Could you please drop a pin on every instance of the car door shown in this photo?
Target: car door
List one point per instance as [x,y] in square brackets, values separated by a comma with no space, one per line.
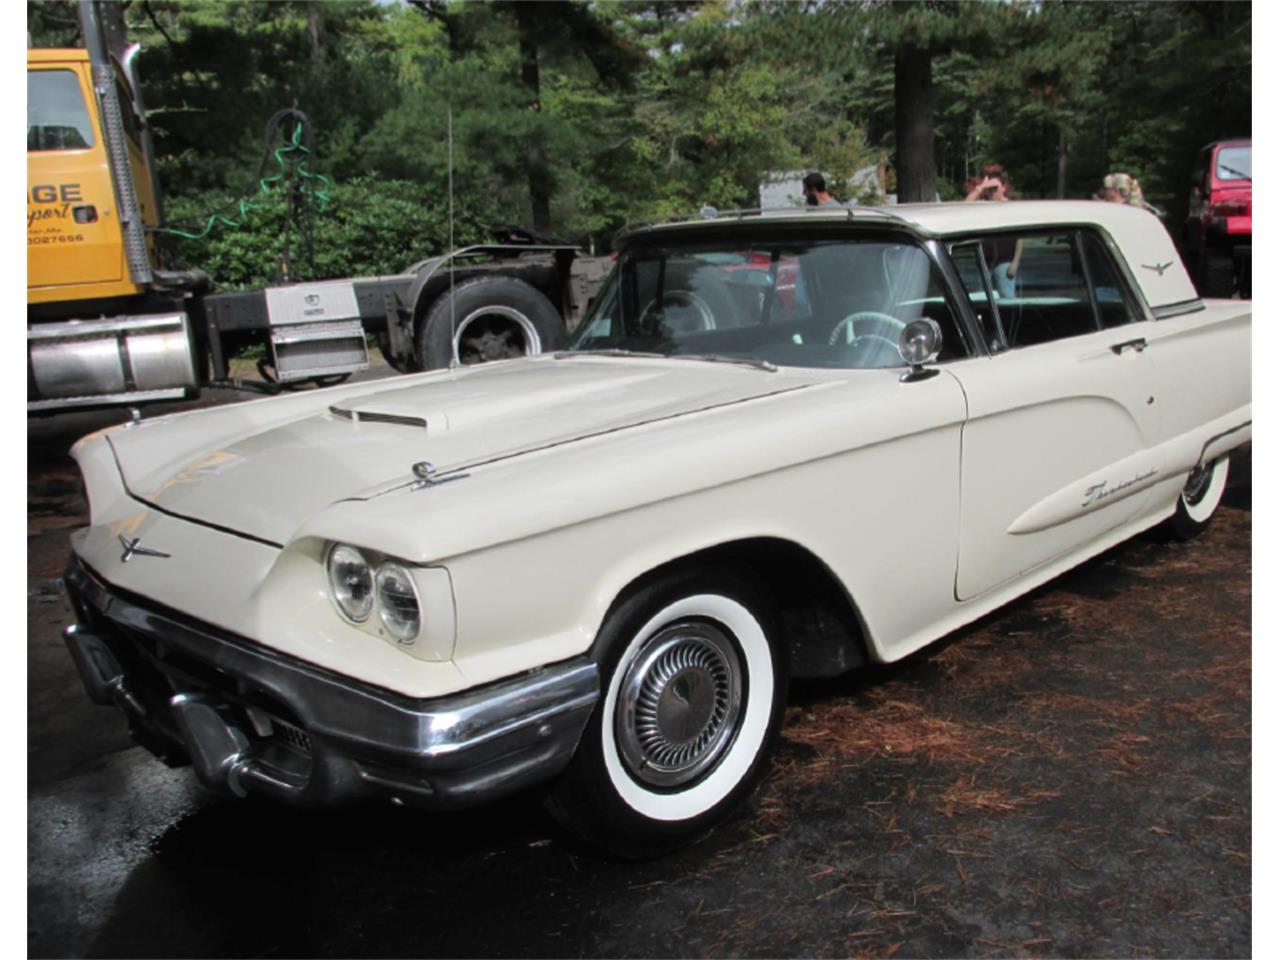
[1057,446]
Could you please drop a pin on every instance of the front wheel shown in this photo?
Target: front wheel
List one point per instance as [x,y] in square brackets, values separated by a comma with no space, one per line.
[1199,499]
[694,682]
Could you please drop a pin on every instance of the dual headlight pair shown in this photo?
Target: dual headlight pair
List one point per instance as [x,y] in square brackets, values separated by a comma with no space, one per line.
[355,584]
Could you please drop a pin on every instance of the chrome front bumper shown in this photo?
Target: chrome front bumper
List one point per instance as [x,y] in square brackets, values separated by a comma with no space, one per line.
[251,719]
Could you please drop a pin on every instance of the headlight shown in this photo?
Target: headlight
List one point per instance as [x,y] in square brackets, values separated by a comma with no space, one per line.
[351,581]
[398,602]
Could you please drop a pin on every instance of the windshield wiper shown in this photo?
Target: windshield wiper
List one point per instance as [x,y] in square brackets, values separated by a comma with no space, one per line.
[611,352]
[1238,173]
[721,358]
[708,357]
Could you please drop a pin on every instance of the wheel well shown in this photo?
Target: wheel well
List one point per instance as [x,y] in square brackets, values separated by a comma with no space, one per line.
[824,633]
[540,273]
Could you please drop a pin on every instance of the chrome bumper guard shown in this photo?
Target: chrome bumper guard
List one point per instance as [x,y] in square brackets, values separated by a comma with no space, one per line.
[251,719]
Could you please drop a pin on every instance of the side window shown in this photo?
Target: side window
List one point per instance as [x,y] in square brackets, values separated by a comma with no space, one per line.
[1114,307]
[603,319]
[972,268]
[56,115]
[1039,286]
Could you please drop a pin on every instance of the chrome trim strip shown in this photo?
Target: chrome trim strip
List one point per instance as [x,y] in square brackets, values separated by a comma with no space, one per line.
[1178,309]
[176,393]
[1214,439]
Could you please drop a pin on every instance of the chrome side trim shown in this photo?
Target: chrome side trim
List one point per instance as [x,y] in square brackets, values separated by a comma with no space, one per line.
[1178,309]
[1216,437]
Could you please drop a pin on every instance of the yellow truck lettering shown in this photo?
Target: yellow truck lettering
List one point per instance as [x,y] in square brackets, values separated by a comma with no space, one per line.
[49,193]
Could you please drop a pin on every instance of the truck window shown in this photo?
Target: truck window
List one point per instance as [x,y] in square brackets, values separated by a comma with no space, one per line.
[56,115]
[1235,163]
[128,115]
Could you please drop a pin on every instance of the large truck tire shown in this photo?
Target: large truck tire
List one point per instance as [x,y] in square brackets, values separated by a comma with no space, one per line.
[406,365]
[487,318]
[1216,274]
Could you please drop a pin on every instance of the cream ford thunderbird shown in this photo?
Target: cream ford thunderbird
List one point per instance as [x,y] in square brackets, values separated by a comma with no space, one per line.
[780,446]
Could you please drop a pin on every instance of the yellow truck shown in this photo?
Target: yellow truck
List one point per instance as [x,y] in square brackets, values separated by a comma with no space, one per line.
[109,323]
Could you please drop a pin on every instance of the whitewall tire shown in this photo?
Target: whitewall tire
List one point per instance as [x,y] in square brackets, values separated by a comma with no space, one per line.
[1199,499]
[693,682]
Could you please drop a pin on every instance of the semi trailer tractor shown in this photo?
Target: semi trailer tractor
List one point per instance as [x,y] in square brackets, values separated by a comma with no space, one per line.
[110,322]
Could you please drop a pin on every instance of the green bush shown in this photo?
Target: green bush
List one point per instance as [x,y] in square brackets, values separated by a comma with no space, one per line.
[368,228]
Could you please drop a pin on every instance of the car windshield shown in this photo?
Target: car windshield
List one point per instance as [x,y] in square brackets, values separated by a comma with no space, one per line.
[1235,163]
[839,303]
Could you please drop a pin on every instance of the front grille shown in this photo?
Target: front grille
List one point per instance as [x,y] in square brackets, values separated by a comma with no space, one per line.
[288,735]
[171,671]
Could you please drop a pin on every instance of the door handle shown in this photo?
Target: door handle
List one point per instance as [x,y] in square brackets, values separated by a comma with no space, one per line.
[1138,345]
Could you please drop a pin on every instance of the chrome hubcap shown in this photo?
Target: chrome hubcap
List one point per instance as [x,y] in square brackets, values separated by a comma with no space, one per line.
[679,704]
[1197,484]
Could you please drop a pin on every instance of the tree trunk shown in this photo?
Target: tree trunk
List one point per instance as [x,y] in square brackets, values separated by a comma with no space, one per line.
[535,154]
[913,124]
[313,30]
[1062,162]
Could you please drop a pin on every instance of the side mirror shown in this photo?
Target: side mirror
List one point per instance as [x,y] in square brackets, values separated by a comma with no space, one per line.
[919,343]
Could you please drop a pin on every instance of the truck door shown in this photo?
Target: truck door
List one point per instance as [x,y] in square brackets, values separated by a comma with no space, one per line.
[73,234]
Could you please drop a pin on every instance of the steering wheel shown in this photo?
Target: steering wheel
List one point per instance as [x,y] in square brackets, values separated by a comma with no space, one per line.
[867,325]
[679,311]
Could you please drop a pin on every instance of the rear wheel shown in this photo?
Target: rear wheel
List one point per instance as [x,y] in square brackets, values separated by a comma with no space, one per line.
[487,318]
[693,685]
[1199,499]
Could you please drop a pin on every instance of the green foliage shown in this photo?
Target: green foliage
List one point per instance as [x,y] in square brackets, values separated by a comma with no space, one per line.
[372,227]
[651,108]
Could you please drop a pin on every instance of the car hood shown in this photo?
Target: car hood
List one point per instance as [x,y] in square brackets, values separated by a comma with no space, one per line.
[263,473]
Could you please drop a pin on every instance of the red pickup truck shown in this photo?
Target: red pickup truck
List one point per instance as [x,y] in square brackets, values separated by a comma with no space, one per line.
[1218,238]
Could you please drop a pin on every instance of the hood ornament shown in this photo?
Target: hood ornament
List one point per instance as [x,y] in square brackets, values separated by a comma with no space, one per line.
[429,476]
[131,549]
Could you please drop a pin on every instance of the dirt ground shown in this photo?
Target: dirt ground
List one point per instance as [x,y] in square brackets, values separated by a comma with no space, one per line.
[1068,777]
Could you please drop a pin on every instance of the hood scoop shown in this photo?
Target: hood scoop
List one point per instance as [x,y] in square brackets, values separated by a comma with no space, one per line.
[372,416]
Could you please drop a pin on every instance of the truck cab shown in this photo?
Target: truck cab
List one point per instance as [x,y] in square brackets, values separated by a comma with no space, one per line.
[1219,231]
[75,245]
[98,329]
